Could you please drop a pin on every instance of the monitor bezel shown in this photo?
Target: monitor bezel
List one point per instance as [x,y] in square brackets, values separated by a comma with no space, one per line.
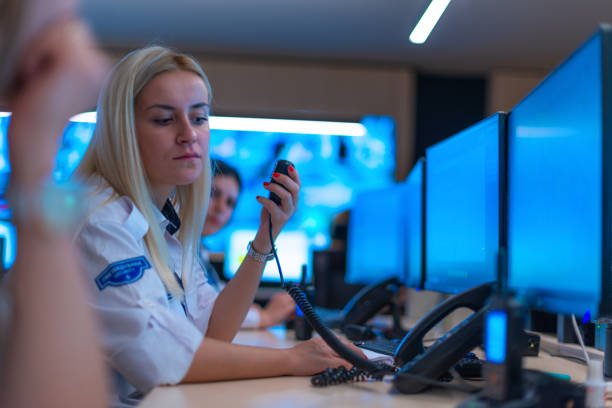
[605,305]
[502,140]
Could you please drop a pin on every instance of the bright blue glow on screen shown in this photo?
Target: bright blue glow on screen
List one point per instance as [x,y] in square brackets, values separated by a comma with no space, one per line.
[413,208]
[462,208]
[496,336]
[332,170]
[555,187]
[73,144]
[293,248]
[5,166]
[375,246]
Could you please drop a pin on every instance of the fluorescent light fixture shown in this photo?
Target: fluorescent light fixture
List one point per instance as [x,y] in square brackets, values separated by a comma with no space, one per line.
[287,126]
[428,21]
[267,125]
[85,117]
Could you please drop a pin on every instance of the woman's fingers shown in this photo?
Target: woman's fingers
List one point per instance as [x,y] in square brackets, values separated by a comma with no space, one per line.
[287,189]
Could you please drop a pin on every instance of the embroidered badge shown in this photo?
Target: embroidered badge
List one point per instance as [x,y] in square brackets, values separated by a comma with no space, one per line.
[123,272]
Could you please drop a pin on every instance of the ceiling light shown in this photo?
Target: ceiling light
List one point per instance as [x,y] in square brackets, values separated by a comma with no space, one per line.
[428,21]
[315,127]
[287,126]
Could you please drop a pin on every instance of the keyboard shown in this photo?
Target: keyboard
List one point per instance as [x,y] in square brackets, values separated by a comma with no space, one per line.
[382,346]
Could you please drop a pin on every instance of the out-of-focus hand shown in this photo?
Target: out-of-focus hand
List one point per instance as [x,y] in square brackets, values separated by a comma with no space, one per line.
[314,356]
[278,309]
[280,214]
[60,75]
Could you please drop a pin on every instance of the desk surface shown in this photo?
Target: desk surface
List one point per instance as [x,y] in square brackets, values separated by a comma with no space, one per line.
[296,392]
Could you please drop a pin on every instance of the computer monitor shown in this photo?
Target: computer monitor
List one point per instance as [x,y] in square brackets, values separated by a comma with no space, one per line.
[462,210]
[559,186]
[413,208]
[292,247]
[375,245]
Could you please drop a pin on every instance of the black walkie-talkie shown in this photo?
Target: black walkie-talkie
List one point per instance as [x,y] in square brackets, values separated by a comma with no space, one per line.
[282,167]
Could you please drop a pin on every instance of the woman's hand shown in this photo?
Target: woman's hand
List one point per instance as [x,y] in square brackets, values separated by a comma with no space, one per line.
[278,309]
[314,356]
[280,214]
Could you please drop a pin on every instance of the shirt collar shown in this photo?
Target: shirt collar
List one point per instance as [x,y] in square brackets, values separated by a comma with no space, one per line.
[173,222]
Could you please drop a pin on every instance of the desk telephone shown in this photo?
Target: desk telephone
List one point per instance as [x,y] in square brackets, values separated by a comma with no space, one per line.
[366,304]
[419,367]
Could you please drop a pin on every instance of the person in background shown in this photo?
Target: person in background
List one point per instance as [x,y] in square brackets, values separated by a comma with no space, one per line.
[50,70]
[226,188]
[149,177]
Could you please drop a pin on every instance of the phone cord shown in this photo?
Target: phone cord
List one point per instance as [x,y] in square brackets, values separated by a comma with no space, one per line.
[373,369]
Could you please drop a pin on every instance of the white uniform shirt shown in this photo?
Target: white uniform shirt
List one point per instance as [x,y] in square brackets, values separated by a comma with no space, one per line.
[148,338]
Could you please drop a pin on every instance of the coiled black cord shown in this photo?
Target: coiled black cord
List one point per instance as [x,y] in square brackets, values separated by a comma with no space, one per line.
[363,369]
[375,370]
[340,375]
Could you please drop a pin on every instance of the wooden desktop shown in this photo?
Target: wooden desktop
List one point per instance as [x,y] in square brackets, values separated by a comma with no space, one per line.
[296,392]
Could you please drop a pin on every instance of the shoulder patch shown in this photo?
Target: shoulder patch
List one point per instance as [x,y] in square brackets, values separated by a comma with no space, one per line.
[122,272]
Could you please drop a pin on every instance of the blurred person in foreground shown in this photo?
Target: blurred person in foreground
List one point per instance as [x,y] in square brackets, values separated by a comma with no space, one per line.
[49,71]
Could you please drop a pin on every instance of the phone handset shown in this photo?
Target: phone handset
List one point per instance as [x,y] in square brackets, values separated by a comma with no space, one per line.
[369,301]
[447,350]
[412,344]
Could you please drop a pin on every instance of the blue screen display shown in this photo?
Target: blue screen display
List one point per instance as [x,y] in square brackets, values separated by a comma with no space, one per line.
[5,166]
[292,248]
[332,169]
[555,187]
[413,208]
[375,247]
[462,208]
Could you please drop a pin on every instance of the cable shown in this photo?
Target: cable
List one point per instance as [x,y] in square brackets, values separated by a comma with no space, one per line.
[376,370]
[280,271]
[363,369]
[579,336]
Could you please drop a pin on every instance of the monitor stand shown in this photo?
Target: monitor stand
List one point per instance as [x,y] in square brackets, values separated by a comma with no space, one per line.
[566,334]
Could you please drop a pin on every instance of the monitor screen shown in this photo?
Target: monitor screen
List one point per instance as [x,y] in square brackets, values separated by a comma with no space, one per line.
[413,208]
[559,152]
[375,246]
[462,207]
[292,247]
[332,168]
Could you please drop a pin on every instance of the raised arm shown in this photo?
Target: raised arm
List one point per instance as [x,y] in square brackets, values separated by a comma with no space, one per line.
[234,301]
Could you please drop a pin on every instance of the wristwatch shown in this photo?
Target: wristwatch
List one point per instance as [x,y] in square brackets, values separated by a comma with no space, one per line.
[259,257]
[59,206]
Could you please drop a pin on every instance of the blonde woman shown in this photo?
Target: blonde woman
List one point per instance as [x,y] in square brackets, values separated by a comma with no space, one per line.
[149,172]
[49,70]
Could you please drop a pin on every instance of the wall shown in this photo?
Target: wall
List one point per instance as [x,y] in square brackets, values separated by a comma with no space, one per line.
[508,87]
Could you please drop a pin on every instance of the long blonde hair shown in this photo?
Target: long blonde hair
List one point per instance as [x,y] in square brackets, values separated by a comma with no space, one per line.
[114,154]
